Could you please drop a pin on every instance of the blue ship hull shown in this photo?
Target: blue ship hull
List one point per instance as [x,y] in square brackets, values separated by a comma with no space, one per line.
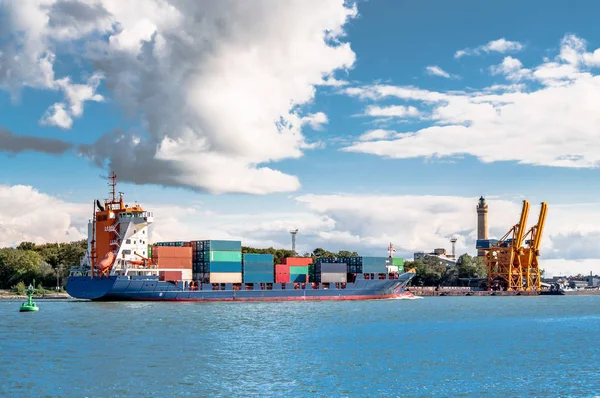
[149,288]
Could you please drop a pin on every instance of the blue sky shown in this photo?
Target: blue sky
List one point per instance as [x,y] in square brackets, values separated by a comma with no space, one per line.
[391,44]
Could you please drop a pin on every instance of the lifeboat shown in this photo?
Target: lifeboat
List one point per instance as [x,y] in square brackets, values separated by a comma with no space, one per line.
[106,262]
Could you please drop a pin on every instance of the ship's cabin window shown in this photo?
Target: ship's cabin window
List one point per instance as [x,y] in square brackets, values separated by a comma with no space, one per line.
[128,241]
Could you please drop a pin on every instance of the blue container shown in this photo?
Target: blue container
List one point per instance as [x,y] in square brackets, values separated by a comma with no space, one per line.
[258,278]
[374,260]
[374,269]
[223,245]
[225,266]
[258,258]
[297,277]
[258,267]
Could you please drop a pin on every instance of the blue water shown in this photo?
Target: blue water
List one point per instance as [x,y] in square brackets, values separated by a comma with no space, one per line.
[432,347]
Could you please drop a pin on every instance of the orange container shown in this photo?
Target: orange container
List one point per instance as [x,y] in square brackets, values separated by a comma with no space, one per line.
[169,275]
[172,257]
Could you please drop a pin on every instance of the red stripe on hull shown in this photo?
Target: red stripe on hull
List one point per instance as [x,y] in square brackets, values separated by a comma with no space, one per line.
[300,298]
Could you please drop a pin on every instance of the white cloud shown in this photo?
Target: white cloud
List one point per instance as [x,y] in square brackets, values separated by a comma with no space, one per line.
[512,68]
[501,45]
[437,71]
[554,124]
[392,111]
[58,116]
[40,218]
[215,110]
[315,120]
[378,134]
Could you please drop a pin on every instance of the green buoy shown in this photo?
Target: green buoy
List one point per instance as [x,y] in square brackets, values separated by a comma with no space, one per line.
[29,305]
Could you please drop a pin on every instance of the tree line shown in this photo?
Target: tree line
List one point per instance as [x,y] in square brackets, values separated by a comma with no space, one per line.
[433,272]
[45,263]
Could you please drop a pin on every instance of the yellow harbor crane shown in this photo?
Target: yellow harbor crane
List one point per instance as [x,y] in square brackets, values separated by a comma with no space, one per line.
[512,266]
[504,260]
[532,276]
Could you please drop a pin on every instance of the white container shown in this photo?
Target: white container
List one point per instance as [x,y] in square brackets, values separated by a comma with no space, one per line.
[330,277]
[225,277]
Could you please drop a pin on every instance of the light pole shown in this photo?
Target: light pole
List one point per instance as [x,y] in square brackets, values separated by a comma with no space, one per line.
[58,269]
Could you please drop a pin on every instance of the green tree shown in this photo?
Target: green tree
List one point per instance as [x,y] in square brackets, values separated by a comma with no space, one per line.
[26,246]
[18,265]
[469,267]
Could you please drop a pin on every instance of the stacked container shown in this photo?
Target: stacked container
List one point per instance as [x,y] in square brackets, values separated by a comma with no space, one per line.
[257,268]
[173,262]
[218,261]
[297,268]
[331,272]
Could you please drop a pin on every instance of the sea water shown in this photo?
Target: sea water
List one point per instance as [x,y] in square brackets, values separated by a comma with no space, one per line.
[432,347]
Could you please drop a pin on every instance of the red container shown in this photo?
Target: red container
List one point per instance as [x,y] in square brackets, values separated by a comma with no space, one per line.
[169,275]
[282,278]
[297,261]
[187,244]
[282,269]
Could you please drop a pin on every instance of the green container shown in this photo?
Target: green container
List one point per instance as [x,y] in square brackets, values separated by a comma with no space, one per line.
[225,256]
[397,261]
[400,269]
[298,270]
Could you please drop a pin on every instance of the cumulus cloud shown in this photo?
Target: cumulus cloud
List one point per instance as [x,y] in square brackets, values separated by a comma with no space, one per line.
[504,124]
[437,71]
[378,134]
[392,111]
[40,218]
[501,45]
[13,143]
[214,110]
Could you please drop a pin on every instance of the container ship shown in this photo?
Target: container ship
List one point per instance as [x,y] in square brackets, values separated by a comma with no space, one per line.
[120,264]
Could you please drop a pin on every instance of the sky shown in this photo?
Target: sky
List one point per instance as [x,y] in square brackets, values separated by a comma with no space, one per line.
[357,123]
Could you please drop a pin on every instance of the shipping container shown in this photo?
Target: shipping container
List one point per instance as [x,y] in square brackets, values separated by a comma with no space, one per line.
[224,266]
[355,269]
[298,270]
[392,269]
[334,277]
[258,267]
[225,277]
[225,256]
[257,258]
[374,260]
[282,269]
[397,261]
[223,245]
[487,243]
[331,267]
[374,269]
[172,257]
[297,277]
[169,275]
[258,278]
[297,261]
[400,268]
[170,244]
[282,278]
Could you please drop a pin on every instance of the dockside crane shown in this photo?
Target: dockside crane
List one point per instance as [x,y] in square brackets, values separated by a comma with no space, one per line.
[504,261]
[531,273]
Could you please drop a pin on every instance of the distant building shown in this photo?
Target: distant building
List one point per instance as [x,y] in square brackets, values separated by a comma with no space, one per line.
[439,254]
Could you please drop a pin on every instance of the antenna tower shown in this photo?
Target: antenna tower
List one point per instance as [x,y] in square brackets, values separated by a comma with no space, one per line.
[113,186]
[294,232]
[453,241]
[391,249]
